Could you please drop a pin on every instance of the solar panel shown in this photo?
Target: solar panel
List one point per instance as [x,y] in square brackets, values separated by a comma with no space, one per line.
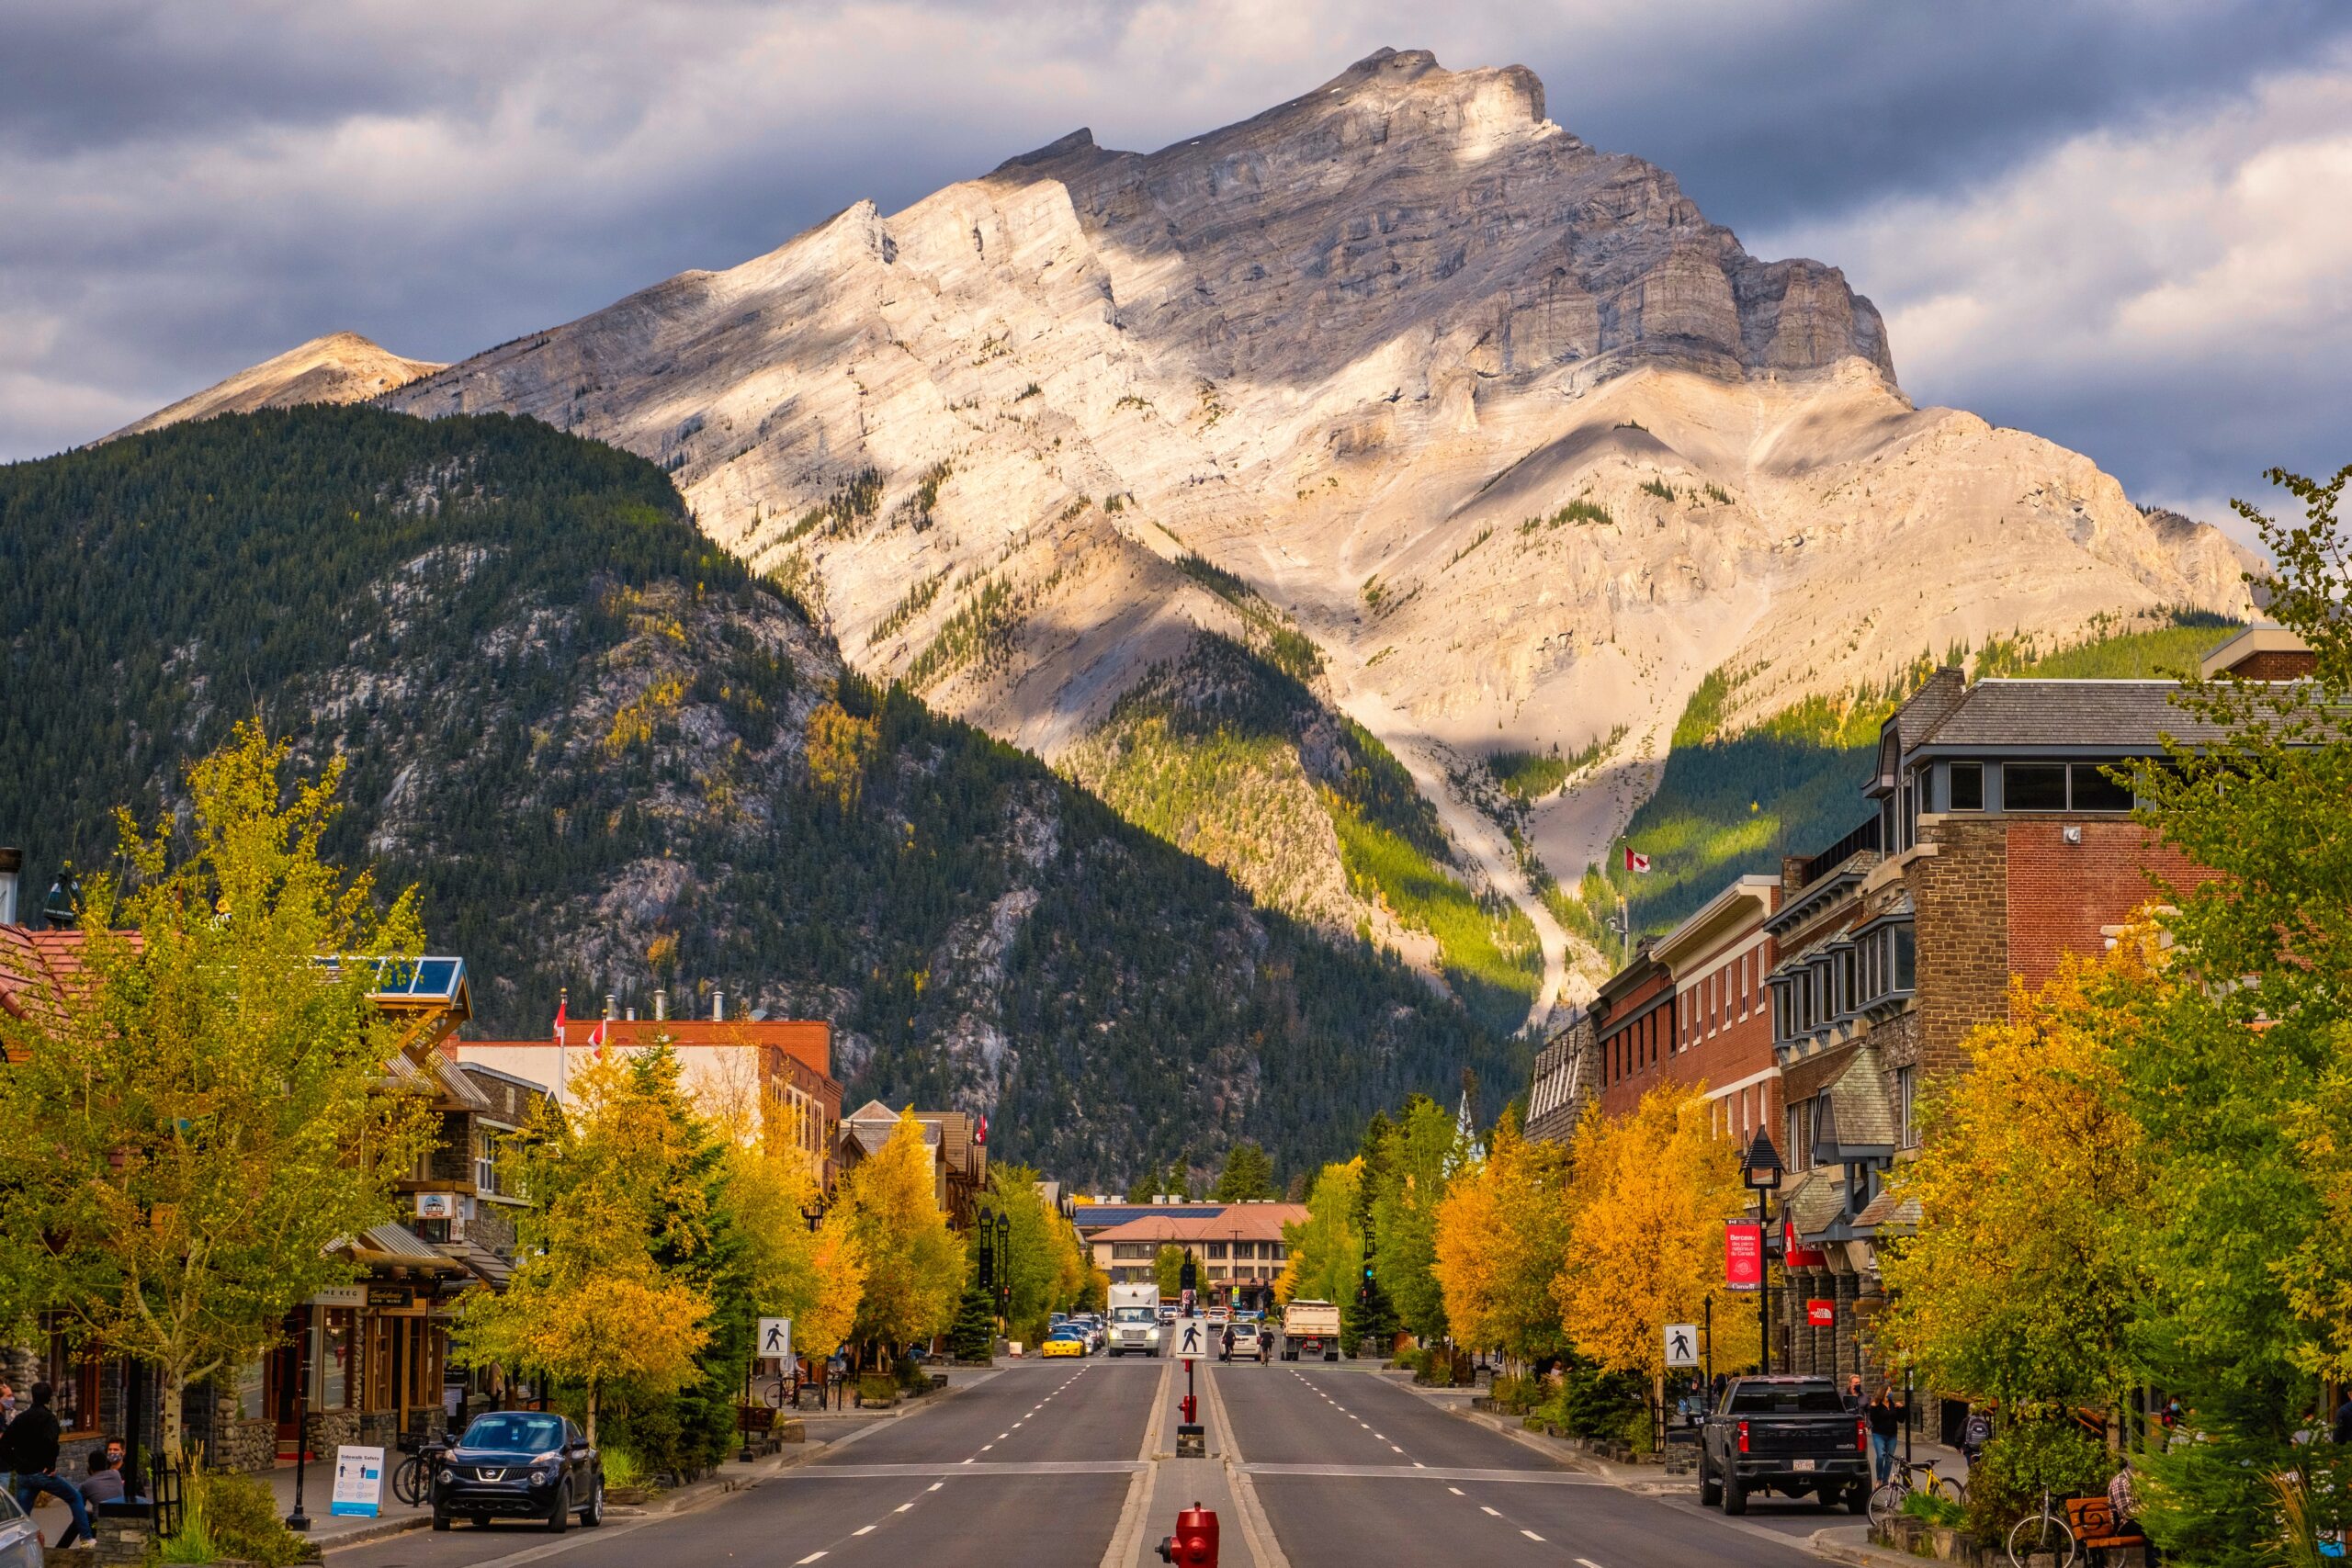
[436,976]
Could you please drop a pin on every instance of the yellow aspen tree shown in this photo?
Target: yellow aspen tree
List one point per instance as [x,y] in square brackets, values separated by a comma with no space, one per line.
[1502,1232]
[1646,1235]
[914,1266]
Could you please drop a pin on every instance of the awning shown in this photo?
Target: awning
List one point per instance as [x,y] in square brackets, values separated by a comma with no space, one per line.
[391,1245]
[480,1261]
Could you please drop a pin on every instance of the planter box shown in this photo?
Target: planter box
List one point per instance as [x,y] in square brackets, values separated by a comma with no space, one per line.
[1951,1543]
[628,1497]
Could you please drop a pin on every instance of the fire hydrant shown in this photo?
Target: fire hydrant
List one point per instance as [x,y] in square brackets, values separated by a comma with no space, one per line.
[1190,1408]
[1194,1543]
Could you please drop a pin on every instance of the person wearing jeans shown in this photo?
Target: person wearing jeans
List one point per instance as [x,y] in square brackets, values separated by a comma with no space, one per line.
[28,1448]
[1885,1418]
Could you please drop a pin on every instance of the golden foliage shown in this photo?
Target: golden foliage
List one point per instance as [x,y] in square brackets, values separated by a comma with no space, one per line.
[914,1267]
[634,722]
[1502,1235]
[840,745]
[1646,1235]
[2019,1285]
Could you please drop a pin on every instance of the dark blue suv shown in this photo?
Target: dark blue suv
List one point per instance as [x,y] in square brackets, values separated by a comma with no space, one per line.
[521,1464]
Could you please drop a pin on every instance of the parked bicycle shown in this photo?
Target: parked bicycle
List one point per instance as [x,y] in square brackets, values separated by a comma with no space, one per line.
[412,1481]
[1912,1475]
[2043,1534]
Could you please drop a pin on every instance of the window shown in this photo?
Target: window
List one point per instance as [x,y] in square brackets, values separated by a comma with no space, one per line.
[1216,1249]
[485,1160]
[1742,983]
[2033,786]
[331,1373]
[253,1390]
[1800,1139]
[1906,1089]
[2094,791]
[1967,786]
[1907,952]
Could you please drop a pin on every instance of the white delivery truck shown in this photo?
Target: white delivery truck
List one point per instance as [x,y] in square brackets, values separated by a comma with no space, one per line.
[1135,1320]
[1311,1326]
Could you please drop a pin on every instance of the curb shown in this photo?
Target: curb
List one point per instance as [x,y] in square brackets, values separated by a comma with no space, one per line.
[1865,1556]
[368,1535]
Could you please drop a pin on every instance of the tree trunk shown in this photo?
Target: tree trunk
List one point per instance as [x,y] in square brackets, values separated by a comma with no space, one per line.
[172,1388]
[591,1413]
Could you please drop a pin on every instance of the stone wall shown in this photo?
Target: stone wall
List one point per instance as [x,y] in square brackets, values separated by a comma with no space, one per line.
[1960,889]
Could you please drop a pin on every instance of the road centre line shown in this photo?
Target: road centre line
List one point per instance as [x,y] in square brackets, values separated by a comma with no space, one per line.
[1588,1563]
[1496,1512]
[862,1530]
[1531,1535]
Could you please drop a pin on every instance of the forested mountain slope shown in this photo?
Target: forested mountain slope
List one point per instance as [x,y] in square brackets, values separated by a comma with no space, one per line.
[612,758]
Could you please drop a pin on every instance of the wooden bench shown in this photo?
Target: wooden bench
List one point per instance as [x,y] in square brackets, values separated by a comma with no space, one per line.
[2094,1523]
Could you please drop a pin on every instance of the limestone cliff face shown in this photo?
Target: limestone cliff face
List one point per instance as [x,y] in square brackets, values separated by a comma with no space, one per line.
[341,368]
[1500,421]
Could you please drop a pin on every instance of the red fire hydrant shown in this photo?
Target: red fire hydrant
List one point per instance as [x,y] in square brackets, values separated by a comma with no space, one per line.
[1189,1407]
[1194,1543]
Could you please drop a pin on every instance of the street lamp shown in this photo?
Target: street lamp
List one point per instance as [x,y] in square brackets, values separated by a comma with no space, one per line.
[1004,1262]
[1761,1168]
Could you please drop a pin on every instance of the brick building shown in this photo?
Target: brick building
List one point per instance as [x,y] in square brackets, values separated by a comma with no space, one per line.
[1633,1030]
[1238,1246]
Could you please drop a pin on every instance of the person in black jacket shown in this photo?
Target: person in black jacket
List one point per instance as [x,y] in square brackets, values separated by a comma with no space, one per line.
[29,1448]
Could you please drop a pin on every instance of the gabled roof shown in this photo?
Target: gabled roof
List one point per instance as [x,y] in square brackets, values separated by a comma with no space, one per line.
[1242,1222]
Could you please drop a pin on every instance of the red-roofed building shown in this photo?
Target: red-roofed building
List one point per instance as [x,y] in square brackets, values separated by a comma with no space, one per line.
[1238,1245]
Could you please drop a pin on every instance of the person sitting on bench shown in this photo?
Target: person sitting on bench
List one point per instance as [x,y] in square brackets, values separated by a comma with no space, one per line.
[2123,1502]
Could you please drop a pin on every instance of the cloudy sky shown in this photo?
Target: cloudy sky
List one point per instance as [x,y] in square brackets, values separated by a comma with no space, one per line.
[2125,226]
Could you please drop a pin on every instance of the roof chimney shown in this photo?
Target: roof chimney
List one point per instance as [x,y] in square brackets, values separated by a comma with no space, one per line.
[718,1006]
[12,870]
[660,1006]
[612,1007]
[632,1015]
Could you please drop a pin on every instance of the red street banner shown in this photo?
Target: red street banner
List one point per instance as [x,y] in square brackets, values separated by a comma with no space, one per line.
[1795,1254]
[1821,1314]
[1743,1255]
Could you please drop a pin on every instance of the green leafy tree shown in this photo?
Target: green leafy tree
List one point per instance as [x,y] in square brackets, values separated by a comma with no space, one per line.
[1326,1249]
[1043,1266]
[1249,1174]
[2242,1082]
[1418,1153]
[914,1267]
[192,1126]
[1168,1268]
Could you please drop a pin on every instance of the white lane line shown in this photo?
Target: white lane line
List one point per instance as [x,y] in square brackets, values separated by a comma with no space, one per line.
[1002,1436]
[1531,1535]
[984,1448]
[902,1507]
[1018,1425]
[975,1459]
[1482,1508]
[936,1486]
[862,1530]
[1395,1449]
[1457,1491]
[1589,1562]
[812,1557]
[1417,1463]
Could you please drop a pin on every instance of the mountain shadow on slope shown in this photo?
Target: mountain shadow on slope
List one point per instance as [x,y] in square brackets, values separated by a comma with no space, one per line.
[613,759]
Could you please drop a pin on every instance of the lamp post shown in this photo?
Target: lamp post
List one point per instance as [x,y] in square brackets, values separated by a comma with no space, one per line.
[299,1521]
[1005,1265]
[1759,1167]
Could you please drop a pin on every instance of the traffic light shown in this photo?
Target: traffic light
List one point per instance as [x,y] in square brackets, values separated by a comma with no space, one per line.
[1189,1277]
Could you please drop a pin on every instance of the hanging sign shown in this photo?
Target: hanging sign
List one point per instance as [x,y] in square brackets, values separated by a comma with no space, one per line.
[1820,1314]
[358,1481]
[1743,1255]
[1796,1254]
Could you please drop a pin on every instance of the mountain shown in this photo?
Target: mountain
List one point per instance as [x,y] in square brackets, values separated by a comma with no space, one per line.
[611,758]
[341,368]
[1491,429]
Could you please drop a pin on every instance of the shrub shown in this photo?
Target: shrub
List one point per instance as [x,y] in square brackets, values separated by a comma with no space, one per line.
[1934,1510]
[621,1467]
[876,1388]
[1595,1404]
[910,1373]
[230,1514]
[2007,1482]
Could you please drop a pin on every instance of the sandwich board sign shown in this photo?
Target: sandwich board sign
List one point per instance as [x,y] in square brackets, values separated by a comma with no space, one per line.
[358,1481]
[775,1339]
[1681,1344]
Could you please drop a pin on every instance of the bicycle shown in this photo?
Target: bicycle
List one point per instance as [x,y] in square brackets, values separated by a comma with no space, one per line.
[2043,1533]
[413,1482]
[1886,1498]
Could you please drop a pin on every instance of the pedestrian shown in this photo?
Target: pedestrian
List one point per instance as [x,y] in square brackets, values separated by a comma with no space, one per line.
[28,1448]
[2124,1507]
[1974,1434]
[1885,1418]
[104,1484]
[839,1370]
[1854,1392]
[1224,1351]
[8,1405]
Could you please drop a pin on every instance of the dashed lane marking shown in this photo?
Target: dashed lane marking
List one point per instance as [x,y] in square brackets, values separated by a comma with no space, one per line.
[1531,1535]
[1588,1563]
[936,1486]
[1457,1491]
[1496,1512]
[812,1557]
[862,1530]
[904,1506]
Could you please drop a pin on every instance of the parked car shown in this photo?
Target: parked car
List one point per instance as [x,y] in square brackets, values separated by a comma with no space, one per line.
[1791,1435]
[521,1464]
[19,1537]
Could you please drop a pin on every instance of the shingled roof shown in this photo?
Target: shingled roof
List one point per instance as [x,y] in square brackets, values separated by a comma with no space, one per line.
[2007,713]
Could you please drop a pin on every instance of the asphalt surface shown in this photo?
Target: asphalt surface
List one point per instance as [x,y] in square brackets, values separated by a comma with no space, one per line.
[1057,1464]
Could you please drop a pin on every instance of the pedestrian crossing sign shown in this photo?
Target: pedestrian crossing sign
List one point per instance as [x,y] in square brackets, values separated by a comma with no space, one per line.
[1681,1344]
[1191,1336]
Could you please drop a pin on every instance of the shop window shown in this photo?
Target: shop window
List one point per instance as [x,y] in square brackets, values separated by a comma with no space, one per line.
[2033,786]
[332,1378]
[252,1391]
[2094,791]
[1966,786]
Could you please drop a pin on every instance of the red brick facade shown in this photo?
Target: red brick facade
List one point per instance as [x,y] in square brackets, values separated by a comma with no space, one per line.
[2061,895]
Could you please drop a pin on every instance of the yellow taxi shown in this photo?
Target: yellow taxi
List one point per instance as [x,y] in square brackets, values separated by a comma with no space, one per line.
[1063,1341]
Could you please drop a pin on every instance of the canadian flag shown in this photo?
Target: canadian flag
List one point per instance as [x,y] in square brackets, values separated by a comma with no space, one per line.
[982,1136]
[596,1039]
[561,1004]
[1635,862]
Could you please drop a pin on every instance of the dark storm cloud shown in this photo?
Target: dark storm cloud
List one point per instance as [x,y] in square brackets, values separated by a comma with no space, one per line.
[187,189]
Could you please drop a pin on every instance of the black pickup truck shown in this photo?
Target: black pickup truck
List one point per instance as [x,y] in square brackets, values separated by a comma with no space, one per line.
[1791,1435]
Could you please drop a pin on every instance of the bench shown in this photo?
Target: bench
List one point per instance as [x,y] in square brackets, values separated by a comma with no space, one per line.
[2095,1528]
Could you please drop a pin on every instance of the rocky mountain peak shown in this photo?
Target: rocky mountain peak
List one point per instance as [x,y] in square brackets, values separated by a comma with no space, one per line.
[335,367]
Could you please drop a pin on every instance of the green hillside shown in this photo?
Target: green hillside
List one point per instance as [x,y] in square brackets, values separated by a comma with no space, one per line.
[1732,803]
[611,759]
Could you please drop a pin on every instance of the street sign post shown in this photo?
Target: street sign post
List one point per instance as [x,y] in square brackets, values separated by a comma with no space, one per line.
[775,1339]
[1681,1344]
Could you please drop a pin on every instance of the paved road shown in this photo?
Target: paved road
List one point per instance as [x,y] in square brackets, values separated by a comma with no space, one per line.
[1035,1465]
[1030,1466]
